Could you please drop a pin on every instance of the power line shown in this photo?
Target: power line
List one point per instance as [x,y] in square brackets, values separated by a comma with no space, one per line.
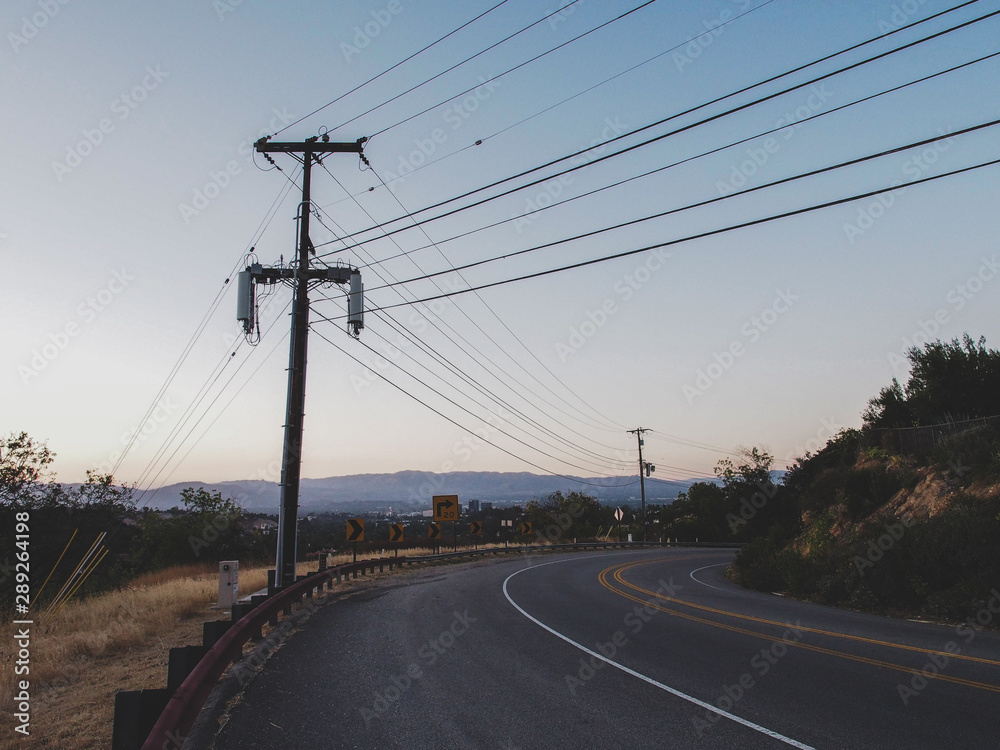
[511,70]
[680,162]
[469,412]
[709,201]
[701,235]
[200,328]
[452,421]
[453,67]
[391,68]
[502,323]
[520,122]
[470,344]
[676,131]
[469,381]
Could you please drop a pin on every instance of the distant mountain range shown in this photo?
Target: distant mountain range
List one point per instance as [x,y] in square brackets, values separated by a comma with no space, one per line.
[408,491]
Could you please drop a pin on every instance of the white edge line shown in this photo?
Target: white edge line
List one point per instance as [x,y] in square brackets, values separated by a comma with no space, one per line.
[673,691]
[691,574]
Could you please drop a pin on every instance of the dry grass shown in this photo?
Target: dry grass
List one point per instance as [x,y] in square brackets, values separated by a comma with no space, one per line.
[118,640]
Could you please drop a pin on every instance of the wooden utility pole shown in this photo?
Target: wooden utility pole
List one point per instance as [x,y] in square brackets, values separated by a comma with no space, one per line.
[291,459]
[642,474]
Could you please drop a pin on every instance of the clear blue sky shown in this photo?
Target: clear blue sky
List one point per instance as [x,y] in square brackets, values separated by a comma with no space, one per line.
[130,195]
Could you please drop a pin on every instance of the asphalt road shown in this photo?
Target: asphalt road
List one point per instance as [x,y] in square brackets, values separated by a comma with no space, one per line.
[615,649]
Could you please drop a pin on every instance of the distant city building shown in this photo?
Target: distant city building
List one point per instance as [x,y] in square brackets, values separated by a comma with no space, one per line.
[474,506]
[487,506]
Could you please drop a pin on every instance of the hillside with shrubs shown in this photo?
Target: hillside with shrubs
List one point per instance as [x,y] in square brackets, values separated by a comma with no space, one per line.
[899,517]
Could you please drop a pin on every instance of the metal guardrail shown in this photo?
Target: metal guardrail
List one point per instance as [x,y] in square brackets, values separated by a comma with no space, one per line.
[187,701]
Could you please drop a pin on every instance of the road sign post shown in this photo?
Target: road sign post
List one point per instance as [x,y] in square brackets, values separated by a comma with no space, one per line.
[355,533]
[434,534]
[618,517]
[396,535]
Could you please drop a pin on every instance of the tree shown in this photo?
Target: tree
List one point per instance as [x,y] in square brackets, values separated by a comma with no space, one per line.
[563,517]
[754,470]
[888,409]
[954,380]
[24,468]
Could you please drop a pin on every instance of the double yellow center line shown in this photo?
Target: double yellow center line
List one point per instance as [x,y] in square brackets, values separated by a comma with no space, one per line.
[631,591]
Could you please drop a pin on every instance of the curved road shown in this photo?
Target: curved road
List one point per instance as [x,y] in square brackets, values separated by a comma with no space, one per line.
[625,649]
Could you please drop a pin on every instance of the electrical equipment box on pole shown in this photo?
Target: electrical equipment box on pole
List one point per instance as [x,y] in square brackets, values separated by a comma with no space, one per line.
[229,583]
[244,300]
[356,303]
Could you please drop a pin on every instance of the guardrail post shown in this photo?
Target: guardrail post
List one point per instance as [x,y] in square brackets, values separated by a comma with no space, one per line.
[241,609]
[136,712]
[255,601]
[180,662]
[211,632]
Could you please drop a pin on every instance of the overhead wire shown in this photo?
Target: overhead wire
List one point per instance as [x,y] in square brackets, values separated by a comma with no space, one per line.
[470,412]
[453,67]
[679,162]
[517,338]
[702,235]
[522,121]
[499,75]
[716,199]
[481,354]
[471,382]
[479,388]
[389,69]
[381,227]
[265,222]
[576,480]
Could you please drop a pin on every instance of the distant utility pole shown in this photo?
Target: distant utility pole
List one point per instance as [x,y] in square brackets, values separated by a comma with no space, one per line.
[643,470]
[301,274]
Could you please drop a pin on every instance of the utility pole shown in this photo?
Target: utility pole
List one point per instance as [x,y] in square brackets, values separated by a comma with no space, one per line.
[642,471]
[302,274]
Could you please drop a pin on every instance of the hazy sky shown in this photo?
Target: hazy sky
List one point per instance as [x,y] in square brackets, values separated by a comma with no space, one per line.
[130,194]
